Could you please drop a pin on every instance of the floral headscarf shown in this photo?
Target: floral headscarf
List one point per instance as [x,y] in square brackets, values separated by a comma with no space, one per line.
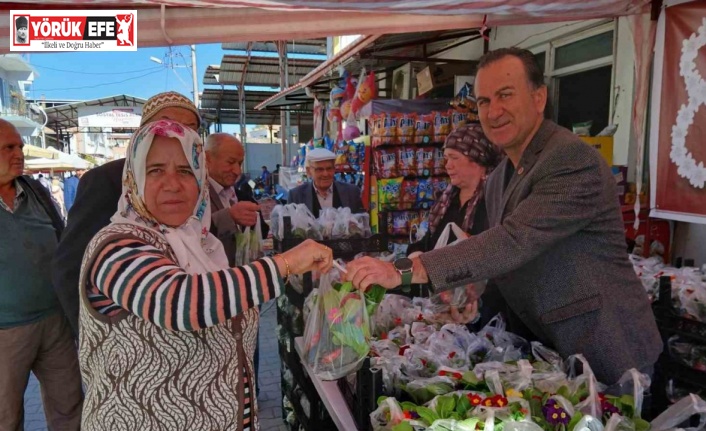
[196,249]
[470,141]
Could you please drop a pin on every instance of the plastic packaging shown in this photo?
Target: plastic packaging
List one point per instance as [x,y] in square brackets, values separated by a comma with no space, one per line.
[337,333]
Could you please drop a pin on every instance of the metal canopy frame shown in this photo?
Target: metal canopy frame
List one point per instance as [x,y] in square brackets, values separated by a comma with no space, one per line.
[63,117]
[383,54]
[305,46]
[223,106]
[261,71]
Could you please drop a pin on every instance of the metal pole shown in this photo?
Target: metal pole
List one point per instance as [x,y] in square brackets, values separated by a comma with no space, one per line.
[193,76]
[282,49]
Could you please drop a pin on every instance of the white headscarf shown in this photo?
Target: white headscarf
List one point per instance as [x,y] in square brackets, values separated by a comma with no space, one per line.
[196,249]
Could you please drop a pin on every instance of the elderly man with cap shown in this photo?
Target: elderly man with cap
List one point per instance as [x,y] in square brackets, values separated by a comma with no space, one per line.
[97,200]
[324,192]
[34,335]
[21,26]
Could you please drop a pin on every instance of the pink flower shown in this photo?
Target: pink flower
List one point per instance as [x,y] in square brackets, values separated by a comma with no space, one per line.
[335,315]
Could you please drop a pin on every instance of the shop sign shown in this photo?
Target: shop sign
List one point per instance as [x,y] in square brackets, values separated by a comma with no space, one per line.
[73,30]
[110,116]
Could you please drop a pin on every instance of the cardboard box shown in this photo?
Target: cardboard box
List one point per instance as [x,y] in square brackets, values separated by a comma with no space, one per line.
[440,75]
[604,145]
[425,82]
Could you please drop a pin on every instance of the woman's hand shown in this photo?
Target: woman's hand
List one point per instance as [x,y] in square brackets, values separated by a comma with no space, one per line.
[307,256]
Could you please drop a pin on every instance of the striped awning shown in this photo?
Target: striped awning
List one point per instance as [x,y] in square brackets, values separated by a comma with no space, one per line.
[180,22]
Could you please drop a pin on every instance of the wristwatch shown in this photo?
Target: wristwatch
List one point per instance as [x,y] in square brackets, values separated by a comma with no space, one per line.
[404,267]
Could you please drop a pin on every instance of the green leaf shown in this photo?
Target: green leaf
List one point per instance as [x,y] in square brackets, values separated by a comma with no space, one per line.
[468,424]
[445,405]
[403,426]
[427,414]
[470,378]
[641,424]
[381,398]
[564,392]
[463,405]
[574,420]
[407,405]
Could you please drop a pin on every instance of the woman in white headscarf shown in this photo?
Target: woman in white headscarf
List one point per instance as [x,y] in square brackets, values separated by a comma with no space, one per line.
[167,330]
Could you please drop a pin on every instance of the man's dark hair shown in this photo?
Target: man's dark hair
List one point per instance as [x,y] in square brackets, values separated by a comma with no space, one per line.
[532,69]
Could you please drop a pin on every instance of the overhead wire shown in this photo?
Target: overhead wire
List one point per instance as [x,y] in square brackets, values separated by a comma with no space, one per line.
[96,85]
[96,73]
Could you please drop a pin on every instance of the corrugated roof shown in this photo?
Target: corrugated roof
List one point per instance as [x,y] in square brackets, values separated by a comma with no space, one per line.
[306,46]
[212,75]
[261,71]
[224,104]
[66,116]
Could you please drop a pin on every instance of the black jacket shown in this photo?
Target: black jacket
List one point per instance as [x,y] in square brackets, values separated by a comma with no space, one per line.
[96,201]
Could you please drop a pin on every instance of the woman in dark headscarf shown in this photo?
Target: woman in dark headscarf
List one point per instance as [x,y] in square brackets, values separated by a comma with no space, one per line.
[470,158]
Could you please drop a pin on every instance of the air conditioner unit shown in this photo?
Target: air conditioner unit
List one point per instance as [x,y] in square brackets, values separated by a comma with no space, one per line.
[401,82]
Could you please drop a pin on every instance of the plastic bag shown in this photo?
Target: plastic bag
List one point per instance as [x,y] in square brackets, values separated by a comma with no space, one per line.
[639,383]
[341,223]
[438,306]
[591,405]
[248,244]
[680,412]
[327,220]
[337,334]
[508,347]
[388,414]
[424,390]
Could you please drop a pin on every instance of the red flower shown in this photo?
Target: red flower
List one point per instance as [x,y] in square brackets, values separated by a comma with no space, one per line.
[488,402]
[403,349]
[424,362]
[524,411]
[383,336]
[420,317]
[398,321]
[442,373]
[407,414]
[499,401]
[475,399]
[451,355]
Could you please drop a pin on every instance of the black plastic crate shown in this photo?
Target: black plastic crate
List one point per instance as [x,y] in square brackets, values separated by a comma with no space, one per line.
[314,416]
[290,317]
[361,391]
[292,361]
[342,248]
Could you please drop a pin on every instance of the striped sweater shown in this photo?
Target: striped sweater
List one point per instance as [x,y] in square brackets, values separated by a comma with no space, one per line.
[134,275]
[158,348]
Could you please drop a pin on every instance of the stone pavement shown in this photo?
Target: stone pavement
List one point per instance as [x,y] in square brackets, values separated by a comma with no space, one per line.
[270,399]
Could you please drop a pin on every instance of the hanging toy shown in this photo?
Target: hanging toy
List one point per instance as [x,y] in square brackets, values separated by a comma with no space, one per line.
[351,86]
[346,108]
[351,131]
[366,92]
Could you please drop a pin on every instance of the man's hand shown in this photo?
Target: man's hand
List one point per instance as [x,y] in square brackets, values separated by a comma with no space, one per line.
[366,271]
[244,213]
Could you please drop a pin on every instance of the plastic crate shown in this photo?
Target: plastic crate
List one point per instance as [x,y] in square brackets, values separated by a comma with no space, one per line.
[290,317]
[342,248]
[361,391]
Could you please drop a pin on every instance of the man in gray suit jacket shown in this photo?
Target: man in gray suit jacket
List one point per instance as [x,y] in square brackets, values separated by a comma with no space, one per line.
[556,246]
[323,191]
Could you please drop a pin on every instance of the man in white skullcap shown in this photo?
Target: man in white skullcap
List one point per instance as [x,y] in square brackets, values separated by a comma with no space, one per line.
[323,191]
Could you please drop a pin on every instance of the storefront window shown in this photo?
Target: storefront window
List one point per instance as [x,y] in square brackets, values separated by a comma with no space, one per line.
[590,48]
[542,60]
